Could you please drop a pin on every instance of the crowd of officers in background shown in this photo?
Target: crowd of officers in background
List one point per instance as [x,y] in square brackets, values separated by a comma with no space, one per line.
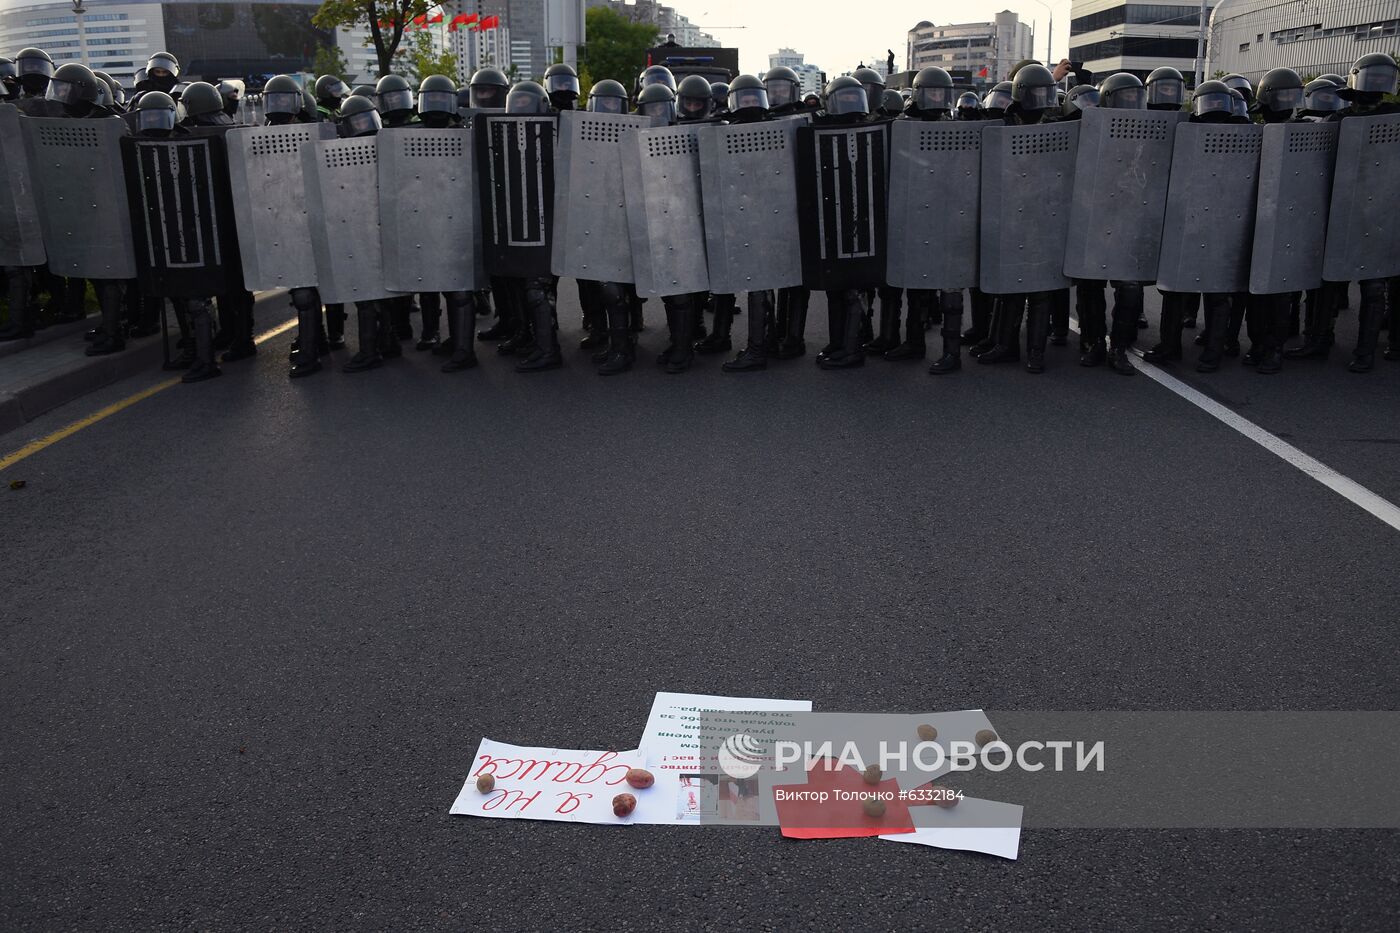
[777,324]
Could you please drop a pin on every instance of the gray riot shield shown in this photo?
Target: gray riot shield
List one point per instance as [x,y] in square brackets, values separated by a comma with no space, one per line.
[1025,206]
[342,203]
[1209,225]
[1290,219]
[81,195]
[590,212]
[1120,194]
[21,240]
[665,219]
[269,202]
[748,181]
[1363,230]
[935,184]
[429,231]
[182,216]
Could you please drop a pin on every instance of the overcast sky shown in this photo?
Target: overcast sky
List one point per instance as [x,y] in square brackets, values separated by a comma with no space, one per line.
[836,36]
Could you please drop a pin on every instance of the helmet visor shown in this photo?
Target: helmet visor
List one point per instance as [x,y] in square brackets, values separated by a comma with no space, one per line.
[1377,79]
[1287,98]
[522,103]
[437,102]
[781,92]
[1039,97]
[164,63]
[1324,100]
[1084,99]
[693,107]
[282,102]
[155,118]
[658,77]
[1216,102]
[606,104]
[1127,98]
[666,109]
[65,92]
[933,98]
[748,98]
[358,124]
[337,89]
[488,96]
[390,101]
[1239,106]
[34,65]
[561,84]
[1166,91]
[848,100]
[997,100]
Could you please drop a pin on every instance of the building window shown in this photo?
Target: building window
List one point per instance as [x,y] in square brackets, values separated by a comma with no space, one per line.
[1145,46]
[1244,46]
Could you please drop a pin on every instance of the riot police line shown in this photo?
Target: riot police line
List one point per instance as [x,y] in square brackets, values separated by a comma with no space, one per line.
[366,199]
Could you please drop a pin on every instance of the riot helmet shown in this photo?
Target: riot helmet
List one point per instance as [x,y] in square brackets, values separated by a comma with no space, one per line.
[1373,74]
[75,87]
[231,90]
[933,91]
[162,61]
[747,95]
[488,89]
[358,117]
[34,68]
[527,97]
[1212,97]
[1033,88]
[308,112]
[104,95]
[1166,89]
[9,79]
[997,99]
[1239,106]
[656,74]
[365,91]
[202,103]
[1321,96]
[891,103]
[657,100]
[437,94]
[607,96]
[1240,83]
[331,92]
[139,76]
[783,87]
[1079,99]
[1122,91]
[1280,91]
[561,83]
[719,90]
[693,100]
[118,95]
[845,96]
[394,95]
[155,114]
[178,90]
[969,106]
[1335,79]
[281,95]
[874,85]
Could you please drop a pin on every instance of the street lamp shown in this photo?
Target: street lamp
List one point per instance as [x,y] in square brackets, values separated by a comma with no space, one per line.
[1049,33]
[78,11]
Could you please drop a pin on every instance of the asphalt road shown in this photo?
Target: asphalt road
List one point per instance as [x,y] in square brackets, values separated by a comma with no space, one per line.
[252,631]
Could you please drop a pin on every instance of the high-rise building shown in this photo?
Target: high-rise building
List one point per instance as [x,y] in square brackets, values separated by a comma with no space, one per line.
[970,47]
[667,20]
[1111,35]
[809,76]
[1250,37]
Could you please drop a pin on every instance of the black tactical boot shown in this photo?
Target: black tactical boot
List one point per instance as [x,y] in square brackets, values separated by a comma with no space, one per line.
[794,343]
[1190,305]
[111,340]
[951,360]
[461,318]
[981,317]
[1039,308]
[202,323]
[889,322]
[1059,319]
[1008,335]
[718,340]
[539,303]
[1127,311]
[1169,345]
[335,325]
[687,310]
[430,336]
[754,356]
[20,325]
[1276,310]
[851,353]
[367,323]
[1318,336]
[1217,311]
[389,311]
[621,353]
[1370,317]
[914,346]
[306,360]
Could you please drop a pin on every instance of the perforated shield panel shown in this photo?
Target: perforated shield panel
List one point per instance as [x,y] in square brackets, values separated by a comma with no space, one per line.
[935,186]
[1208,233]
[427,210]
[1290,218]
[1027,174]
[590,212]
[665,220]
[342,203]
[1363,229]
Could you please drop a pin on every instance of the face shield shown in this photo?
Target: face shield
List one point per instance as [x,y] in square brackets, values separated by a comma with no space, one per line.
[359,124]
[1084,99]
[437,102]
[747,98]
[282,102]
[1128,98]
[65,92]
[1324,100]
[666,109]
[693,108]
[930,99]
[337,90]
[488,96]
[34,66]
[155,119]
[873,92]
[1039,98]
[1374,79]
[1216,102]
[997,100]
[391,101]
[781,92]
[159,63]
[607,104]
[1166,91]
[1238,105]
[1289,98]
[561,84]
[522,103]
[848,100]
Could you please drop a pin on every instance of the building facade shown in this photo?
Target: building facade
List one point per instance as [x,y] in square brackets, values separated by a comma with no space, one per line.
[667,20]
[1250,37]
[971,47]
[809,76]
[1111,35]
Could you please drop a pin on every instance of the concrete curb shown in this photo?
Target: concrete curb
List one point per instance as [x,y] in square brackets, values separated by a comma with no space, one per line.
[77,378]
[48,335]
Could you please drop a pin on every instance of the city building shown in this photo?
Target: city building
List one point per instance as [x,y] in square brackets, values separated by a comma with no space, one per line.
[967,48]
[666,19]
[1110,35]
[540,31]
[1250,37]
[809,76]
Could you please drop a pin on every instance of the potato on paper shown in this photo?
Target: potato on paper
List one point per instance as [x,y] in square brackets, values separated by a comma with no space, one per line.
[624,804]
[640,778]
[486,783]
[927,733]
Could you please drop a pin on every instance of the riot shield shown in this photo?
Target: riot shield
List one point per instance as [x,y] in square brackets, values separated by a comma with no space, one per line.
[516,173]
[342,203]
[842,190]
[269,202]
[748,184]
[1029,172]
[1290,219]
[665,212]
[81,195]
[1209,225]
[935,184]
[1120,194]
[1363,229]
[182,216]
[21,241]
[427,210]
[590,212]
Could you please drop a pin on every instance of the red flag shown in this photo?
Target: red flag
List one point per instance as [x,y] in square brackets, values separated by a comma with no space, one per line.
[461,19]
[421,22]
[491,22]
[983,72]
[435,19]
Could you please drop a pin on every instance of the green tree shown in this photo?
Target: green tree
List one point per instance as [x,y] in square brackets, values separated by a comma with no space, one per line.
[385,19]
[422,58]
[330,61]
[617,47]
